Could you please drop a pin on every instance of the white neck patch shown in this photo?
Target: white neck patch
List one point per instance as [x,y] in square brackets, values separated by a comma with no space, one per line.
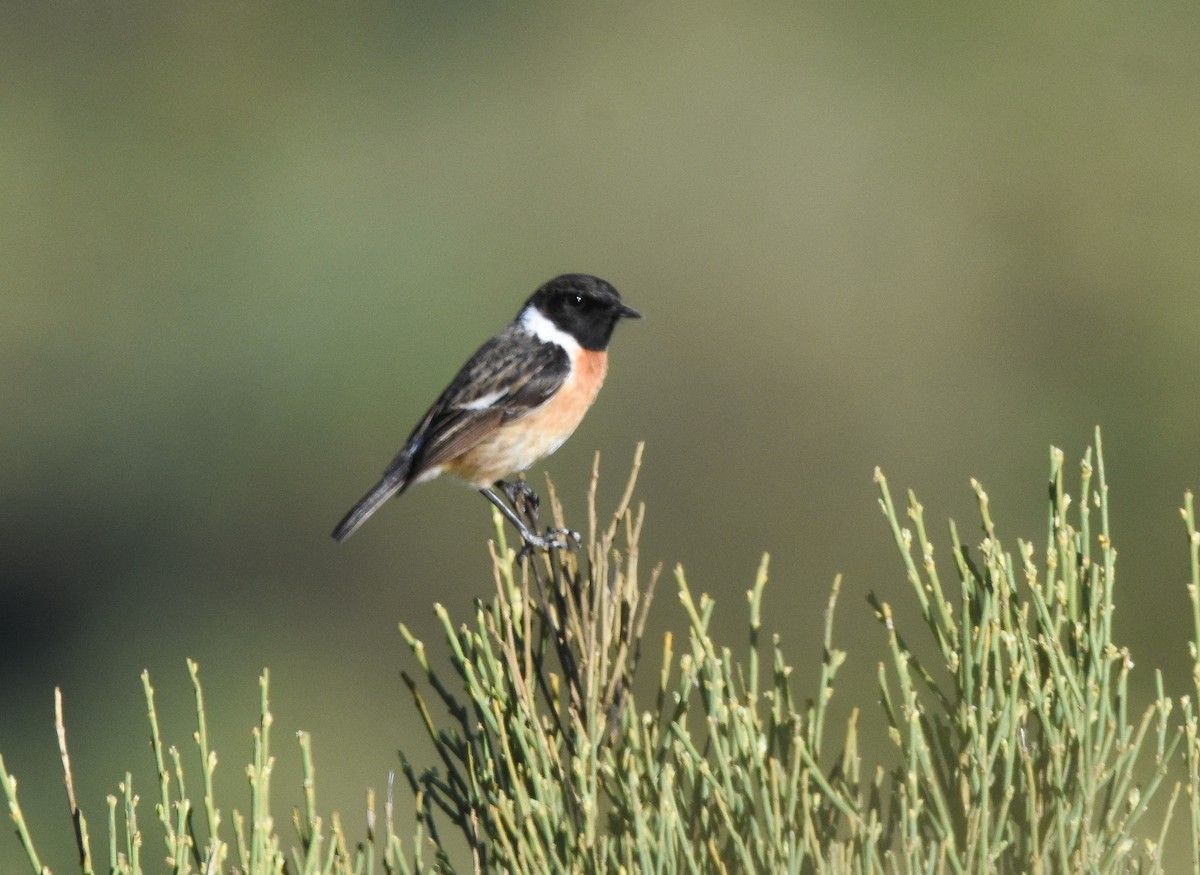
[533,321]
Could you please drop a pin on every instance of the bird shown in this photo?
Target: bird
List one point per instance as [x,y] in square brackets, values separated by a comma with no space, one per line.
[514,402]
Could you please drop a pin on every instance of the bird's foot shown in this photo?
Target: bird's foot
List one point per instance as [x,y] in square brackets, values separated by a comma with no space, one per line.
[554,539]
[524,502]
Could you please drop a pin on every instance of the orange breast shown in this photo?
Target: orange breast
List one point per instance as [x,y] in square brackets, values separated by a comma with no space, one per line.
[522,442]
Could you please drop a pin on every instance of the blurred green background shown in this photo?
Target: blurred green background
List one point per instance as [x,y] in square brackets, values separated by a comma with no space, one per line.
[245,245]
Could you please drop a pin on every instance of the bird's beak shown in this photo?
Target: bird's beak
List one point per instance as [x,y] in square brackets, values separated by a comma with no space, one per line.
[628,312]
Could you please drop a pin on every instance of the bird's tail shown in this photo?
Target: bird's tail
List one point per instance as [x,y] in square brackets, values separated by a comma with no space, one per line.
[393,483]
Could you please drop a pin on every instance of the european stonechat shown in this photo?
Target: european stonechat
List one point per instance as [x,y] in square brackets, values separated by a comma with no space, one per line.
[514,402]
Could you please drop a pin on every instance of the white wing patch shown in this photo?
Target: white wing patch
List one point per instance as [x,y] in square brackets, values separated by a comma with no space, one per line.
[483,402]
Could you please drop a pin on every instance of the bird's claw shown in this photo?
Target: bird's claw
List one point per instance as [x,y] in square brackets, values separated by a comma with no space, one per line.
[554,539]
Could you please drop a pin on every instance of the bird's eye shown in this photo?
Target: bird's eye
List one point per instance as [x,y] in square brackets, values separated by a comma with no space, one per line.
[574,301]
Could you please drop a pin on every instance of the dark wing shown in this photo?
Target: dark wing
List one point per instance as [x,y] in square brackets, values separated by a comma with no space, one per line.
[510,375]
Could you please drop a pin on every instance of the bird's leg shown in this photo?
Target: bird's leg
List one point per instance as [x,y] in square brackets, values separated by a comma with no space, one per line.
[531,538]
[533,541]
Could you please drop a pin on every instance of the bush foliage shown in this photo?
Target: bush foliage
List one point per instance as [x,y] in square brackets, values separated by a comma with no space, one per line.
[1016,748]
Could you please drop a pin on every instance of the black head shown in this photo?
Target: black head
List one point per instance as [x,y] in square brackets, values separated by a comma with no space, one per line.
[585,307]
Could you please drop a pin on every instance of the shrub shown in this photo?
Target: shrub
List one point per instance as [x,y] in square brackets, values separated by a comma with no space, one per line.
[1016,749]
